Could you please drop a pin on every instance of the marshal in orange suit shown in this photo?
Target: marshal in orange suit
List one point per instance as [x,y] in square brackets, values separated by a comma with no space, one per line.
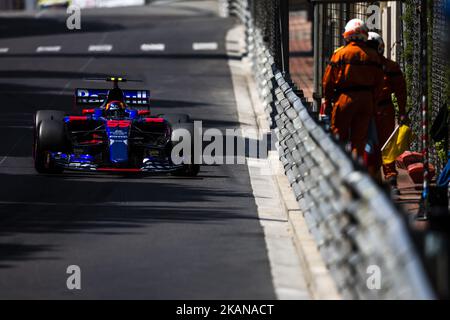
[352,85]
[394,83]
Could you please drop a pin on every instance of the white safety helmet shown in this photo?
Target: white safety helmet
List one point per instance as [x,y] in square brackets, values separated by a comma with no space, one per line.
[376,38]
[356,29]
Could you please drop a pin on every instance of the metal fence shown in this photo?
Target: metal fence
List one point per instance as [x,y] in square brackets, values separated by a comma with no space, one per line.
[411,57]
[336,16]
[355,225]
[407,28]
[439,76]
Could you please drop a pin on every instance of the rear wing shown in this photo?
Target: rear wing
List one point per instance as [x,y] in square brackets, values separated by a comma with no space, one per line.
[96,97]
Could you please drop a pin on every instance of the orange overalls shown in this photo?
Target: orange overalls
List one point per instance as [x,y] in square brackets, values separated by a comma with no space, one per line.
[353,80]
[394,82]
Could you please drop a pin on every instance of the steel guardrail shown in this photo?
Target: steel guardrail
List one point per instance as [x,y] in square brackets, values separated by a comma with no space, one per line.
[357,228]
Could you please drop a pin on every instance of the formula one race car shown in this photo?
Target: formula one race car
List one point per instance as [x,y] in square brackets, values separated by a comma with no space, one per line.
[114,133]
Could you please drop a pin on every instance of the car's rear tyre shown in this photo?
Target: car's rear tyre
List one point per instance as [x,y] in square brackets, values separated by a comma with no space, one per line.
[50,136]
[192,169]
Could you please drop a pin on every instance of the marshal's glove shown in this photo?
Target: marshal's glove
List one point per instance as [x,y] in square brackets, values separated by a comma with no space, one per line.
[325,115]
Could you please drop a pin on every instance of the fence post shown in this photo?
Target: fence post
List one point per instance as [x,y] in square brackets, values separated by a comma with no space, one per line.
[283,15]
[423,214]
[318,53]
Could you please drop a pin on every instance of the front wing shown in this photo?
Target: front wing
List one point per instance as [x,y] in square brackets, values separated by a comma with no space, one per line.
[85,163]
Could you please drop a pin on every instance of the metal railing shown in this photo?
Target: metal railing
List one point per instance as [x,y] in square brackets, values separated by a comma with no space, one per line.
[356,227]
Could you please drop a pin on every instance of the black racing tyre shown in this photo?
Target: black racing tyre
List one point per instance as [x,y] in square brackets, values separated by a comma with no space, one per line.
[45,115]
[50,136]
[175,118]
[189,170]
[192,169]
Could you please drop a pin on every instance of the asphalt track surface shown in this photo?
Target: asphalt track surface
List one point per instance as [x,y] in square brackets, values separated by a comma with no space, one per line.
[133,237]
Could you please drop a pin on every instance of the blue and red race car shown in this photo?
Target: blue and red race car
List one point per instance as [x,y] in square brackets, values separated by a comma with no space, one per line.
[114,133]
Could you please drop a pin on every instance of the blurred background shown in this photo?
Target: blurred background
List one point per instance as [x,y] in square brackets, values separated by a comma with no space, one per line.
[39,4]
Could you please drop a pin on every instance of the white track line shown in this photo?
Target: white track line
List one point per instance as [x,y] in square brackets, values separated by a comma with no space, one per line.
[48,49]
[4,50]
[100,48]
[205,46]
[153,47]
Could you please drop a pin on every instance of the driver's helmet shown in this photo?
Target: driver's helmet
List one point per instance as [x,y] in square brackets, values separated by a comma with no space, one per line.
[115,109]
[115,94]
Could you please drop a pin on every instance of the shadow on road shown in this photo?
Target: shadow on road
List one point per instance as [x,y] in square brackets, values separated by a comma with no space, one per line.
[107,205]
[10,253]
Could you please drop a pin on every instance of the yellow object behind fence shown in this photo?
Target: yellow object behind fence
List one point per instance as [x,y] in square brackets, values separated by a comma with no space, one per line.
[397,143]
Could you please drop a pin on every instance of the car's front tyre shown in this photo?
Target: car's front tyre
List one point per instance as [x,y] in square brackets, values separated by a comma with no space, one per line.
[50,136]
[189,169]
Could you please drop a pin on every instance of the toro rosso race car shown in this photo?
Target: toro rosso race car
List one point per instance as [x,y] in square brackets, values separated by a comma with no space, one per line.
[114,133]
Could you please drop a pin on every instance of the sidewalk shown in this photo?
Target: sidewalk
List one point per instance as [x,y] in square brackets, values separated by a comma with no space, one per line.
[297,267]
[301,67]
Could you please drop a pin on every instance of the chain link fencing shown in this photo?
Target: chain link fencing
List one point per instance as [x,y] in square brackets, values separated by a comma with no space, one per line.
[408,52]
[336,16]
[411,60]
[409,55]
[439,76]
